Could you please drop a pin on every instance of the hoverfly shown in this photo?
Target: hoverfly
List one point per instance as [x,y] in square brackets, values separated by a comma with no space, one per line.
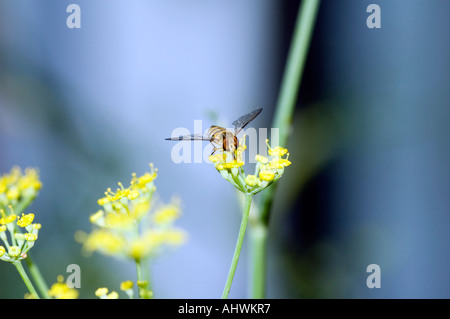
[224,139]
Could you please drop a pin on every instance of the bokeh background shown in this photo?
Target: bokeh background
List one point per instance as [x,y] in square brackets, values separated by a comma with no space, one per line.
[369,180]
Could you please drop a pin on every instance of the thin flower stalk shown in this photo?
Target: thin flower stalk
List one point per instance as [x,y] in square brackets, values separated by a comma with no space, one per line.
[268,170]
[18,232]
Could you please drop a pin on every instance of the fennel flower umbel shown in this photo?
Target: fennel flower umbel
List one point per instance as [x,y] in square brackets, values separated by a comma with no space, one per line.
[127,226]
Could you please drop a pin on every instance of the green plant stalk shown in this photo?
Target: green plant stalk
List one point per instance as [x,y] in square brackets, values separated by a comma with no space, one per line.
[287,98]
[298,52]
[237,250]
[25,279]
[258,264]
[37,277]
[145,264]
[139,275]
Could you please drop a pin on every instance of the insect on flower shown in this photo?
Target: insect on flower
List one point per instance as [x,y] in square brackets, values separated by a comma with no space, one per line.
[223,138]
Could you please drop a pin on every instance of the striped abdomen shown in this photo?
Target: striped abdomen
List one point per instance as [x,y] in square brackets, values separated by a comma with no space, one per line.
[223,137]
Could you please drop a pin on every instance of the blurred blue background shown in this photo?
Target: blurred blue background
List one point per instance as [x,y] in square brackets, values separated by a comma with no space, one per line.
[369,179]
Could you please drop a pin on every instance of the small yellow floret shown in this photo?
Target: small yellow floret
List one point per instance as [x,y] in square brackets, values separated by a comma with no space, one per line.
[142,283]
[251,180]
[103,201]
[30,237]
[25,220]
[217,157]
[279,163]
[12,193]
[126,285]
[148,177]
[266,176]
[133,194]
[61,290]
[276,151]
[261,159]
[14,251]
[8,219]
[95,217]
[112,295]
[101,291]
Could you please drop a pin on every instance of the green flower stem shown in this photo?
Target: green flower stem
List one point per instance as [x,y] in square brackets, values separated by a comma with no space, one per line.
[23,204]
[295,64]
[37,277]
[287,98]
[145,264]
[237,250]
[258,260]
[25,279]
[139,274]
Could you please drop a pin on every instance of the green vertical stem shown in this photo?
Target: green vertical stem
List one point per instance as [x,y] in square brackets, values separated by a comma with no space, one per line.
[25,279]
[258,260]
[237,250]
[287,98]
[290,84]
[37,277]
[295,65]
[145,264]
[139,274]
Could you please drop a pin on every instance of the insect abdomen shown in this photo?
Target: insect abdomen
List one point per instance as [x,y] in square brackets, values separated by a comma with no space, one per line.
[230,142]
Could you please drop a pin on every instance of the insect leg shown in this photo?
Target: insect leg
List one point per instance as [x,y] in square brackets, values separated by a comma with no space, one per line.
[215,149]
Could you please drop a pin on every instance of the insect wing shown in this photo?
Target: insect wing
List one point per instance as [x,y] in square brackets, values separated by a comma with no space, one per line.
[242,122]
[192,137]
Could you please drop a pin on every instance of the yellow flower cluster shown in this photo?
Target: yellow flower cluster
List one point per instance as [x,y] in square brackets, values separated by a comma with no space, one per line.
[267,170]
[17,191]
[127,287]
[128,227]
[21,243]
[103,293]
[60,290]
